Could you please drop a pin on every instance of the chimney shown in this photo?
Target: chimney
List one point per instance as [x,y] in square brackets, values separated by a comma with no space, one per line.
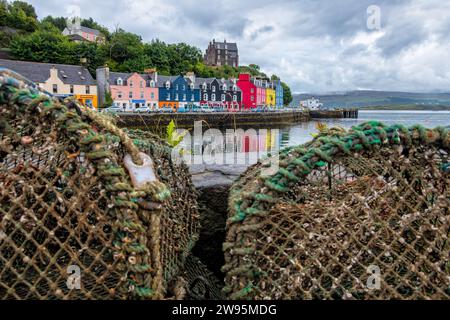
[103,84]
[83,62]
[190,75]
[152,73]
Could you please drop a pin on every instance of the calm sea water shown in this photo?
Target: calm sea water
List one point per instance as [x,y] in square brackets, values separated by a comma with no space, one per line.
[301,132]
[247,148]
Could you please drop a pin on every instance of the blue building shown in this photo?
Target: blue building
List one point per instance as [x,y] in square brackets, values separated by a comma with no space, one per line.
[177,93]
[278,93]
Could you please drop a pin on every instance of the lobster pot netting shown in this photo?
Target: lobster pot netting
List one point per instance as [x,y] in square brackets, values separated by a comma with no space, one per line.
[68,207]
[357,215]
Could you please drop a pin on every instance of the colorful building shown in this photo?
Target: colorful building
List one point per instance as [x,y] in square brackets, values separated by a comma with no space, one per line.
[278,93]
[260,85]
[133,90]
[176,93]
[59,80]
[270,95]
[248,89]
[80,33]
[219,93]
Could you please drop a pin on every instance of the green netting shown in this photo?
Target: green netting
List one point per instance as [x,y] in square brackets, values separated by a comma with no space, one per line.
[356,215]
[66,199]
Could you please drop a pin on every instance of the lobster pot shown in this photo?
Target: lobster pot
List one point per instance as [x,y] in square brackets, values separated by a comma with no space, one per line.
[362,214]
[73,222]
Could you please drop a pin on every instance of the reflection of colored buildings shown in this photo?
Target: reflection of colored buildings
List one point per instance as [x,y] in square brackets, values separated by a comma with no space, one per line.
[134,90]
[59,80]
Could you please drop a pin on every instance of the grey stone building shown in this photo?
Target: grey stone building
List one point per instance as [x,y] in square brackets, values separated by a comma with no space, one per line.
[221,54]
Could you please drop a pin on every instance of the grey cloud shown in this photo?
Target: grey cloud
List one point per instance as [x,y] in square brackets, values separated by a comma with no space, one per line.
[313,45]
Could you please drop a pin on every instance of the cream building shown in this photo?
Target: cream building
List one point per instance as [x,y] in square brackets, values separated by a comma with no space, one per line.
[58,79]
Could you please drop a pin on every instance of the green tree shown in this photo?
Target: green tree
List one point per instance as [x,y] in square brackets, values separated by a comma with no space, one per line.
[287,95]
[124,46]
[59,22]
[43,46]
[22,16]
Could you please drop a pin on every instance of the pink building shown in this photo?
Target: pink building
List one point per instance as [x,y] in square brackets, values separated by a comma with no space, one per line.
[260,85]
[133,90]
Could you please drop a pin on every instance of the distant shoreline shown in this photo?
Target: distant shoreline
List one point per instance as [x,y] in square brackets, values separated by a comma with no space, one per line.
[408,107]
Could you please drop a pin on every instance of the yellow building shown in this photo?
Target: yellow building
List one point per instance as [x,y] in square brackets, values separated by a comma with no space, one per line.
[59,80]
[270,97]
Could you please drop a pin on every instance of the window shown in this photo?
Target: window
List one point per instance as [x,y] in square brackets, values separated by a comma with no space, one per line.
[234,97]
[152,95]
[205,97]
[213,88]
[213,97]
[252,98]
[223,97]
[152,83]
[176,87]
[184,87]
[234,88]
[168,96]
[192,86]
[141,84]
[204,86]
[55,88]
[192,97]
[252,90]
[130,95]
[71,88]
[224,88]
[88,89]
[184,97]
[131,83]
[119,82]
[167,85]
[119,95]
[176,96]
[142,94]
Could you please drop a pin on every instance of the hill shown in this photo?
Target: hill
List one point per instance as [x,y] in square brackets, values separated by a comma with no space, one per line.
[380,100]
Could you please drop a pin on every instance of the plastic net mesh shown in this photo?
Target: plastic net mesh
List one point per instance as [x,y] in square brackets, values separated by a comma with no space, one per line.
[69,209]
[357,215]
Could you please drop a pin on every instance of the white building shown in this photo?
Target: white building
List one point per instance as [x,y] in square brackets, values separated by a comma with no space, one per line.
[311,104]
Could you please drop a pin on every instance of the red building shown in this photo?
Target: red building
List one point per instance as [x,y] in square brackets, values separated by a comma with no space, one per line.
[248,89]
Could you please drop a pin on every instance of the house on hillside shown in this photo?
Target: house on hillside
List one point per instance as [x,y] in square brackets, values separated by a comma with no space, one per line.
[222,54]
[81,33]
[59,80]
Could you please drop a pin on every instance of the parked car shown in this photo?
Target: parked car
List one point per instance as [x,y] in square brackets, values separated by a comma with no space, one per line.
[143,109]
[113,109]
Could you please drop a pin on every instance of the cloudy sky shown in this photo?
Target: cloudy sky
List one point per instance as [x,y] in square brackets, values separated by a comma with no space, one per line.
[315,46]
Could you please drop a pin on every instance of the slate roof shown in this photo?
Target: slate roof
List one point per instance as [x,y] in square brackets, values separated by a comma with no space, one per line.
[231,46]
[40,72]
[113,76]
[89,30]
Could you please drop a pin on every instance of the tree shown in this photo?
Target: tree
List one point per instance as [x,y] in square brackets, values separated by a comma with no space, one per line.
[43,46]
[59,22]
[20,15]
[287,95]
[124,46]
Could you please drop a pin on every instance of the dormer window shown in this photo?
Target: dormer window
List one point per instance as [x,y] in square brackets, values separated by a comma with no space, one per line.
[224,88]
[167,85]
[192,86]
[234,88]
[204,86]
[152,83]
[119,82]
[213,88]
